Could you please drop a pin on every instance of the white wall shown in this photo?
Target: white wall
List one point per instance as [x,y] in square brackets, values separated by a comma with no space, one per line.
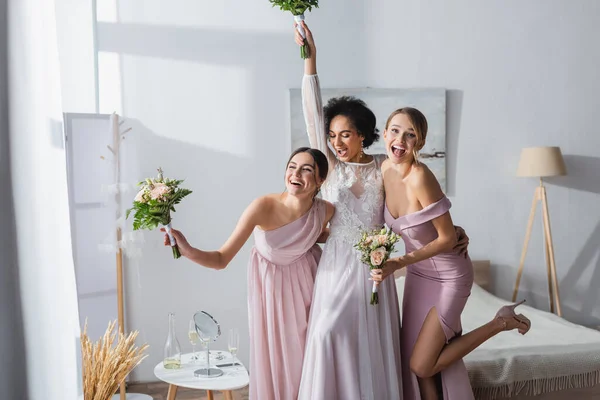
[205,87]
[75,32]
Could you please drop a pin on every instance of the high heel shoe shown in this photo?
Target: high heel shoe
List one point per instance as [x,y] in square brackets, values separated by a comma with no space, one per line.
[507,313]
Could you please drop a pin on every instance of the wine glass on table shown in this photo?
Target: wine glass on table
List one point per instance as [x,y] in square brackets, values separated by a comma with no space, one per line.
[233,344]
[194,339]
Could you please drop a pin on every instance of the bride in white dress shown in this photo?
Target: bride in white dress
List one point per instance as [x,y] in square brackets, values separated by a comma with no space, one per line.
[353,348]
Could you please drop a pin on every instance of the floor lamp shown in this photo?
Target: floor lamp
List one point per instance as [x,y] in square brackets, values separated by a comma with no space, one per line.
[540,162]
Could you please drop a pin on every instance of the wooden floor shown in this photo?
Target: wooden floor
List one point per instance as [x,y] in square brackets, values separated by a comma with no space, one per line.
[158,390]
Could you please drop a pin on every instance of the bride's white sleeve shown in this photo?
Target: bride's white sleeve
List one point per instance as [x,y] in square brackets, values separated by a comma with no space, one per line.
[312,106]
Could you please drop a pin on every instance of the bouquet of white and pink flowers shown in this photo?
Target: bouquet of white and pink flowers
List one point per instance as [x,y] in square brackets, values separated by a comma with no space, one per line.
[375,248]
[153,205]
[298,8]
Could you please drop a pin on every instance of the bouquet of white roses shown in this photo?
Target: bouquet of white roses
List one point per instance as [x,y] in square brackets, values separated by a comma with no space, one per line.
[375,248]
[298,8]
[153,205]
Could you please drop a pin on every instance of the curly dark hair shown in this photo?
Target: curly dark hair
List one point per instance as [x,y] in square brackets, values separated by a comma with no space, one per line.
[357,112]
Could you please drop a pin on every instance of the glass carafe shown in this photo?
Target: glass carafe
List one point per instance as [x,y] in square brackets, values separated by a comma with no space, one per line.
[172,355]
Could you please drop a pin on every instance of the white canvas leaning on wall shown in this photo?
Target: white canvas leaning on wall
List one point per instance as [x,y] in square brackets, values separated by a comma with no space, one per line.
[431,102]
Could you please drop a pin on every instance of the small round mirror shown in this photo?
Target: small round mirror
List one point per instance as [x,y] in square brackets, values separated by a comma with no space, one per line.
[207,327]
[208,330]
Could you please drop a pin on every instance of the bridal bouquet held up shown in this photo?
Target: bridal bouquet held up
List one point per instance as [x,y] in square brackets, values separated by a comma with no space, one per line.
[375,248]
[153,205]
[298,8]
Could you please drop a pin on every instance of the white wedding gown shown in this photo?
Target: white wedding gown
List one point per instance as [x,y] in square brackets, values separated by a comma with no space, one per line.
[353,348]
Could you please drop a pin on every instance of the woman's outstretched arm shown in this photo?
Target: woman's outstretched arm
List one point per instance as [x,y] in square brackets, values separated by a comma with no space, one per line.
[221,258]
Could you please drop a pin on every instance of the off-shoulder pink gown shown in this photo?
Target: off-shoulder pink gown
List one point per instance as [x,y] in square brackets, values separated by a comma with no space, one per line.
[444,282]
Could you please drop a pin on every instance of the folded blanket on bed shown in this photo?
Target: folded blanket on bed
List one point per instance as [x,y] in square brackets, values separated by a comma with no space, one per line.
[554,355]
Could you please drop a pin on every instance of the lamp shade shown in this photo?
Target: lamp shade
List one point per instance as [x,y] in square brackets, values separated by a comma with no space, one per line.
[541,161]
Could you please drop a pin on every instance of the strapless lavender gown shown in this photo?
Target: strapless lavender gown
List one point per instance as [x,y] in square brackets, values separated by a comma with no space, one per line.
[444,282]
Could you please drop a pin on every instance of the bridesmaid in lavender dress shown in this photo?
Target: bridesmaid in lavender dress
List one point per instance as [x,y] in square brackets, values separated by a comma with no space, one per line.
[281,272]
[438,281]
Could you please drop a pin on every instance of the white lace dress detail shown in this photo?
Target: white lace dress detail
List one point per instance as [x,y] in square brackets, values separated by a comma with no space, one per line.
[356,189]
[355,213]
[352,347]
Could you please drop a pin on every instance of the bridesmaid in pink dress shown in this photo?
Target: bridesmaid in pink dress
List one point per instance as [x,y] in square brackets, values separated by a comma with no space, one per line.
[438,280]
[281,272]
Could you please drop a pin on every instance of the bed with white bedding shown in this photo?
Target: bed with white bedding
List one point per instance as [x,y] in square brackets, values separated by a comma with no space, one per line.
[555,360]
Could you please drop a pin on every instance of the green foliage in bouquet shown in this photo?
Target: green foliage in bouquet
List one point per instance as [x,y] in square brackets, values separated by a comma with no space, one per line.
[297,8]
[155,201]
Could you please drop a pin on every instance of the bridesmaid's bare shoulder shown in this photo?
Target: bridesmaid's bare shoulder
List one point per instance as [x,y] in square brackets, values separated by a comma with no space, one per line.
[419,175]
[269,201]
[385,165]
[422,180]
[263,206]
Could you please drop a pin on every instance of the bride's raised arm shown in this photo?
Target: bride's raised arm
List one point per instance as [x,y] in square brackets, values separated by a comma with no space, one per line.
[312,103]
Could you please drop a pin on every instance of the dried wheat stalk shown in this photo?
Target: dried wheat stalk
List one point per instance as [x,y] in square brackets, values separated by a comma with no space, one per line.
[105,366]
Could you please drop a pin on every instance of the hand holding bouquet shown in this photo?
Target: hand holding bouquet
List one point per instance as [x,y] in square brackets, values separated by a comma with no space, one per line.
[298,8]
[153,205]
[375,248]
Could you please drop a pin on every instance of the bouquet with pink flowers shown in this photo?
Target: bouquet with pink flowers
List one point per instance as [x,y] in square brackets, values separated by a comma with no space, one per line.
[375,248]
[153,205]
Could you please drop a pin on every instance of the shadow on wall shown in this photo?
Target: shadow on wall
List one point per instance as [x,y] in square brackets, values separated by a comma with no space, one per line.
[580,298]
[454,103]
[270,57]
[155,283]
[583,175]
[270,61]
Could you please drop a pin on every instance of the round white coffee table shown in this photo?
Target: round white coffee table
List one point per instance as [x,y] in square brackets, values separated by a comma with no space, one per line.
[233,378]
